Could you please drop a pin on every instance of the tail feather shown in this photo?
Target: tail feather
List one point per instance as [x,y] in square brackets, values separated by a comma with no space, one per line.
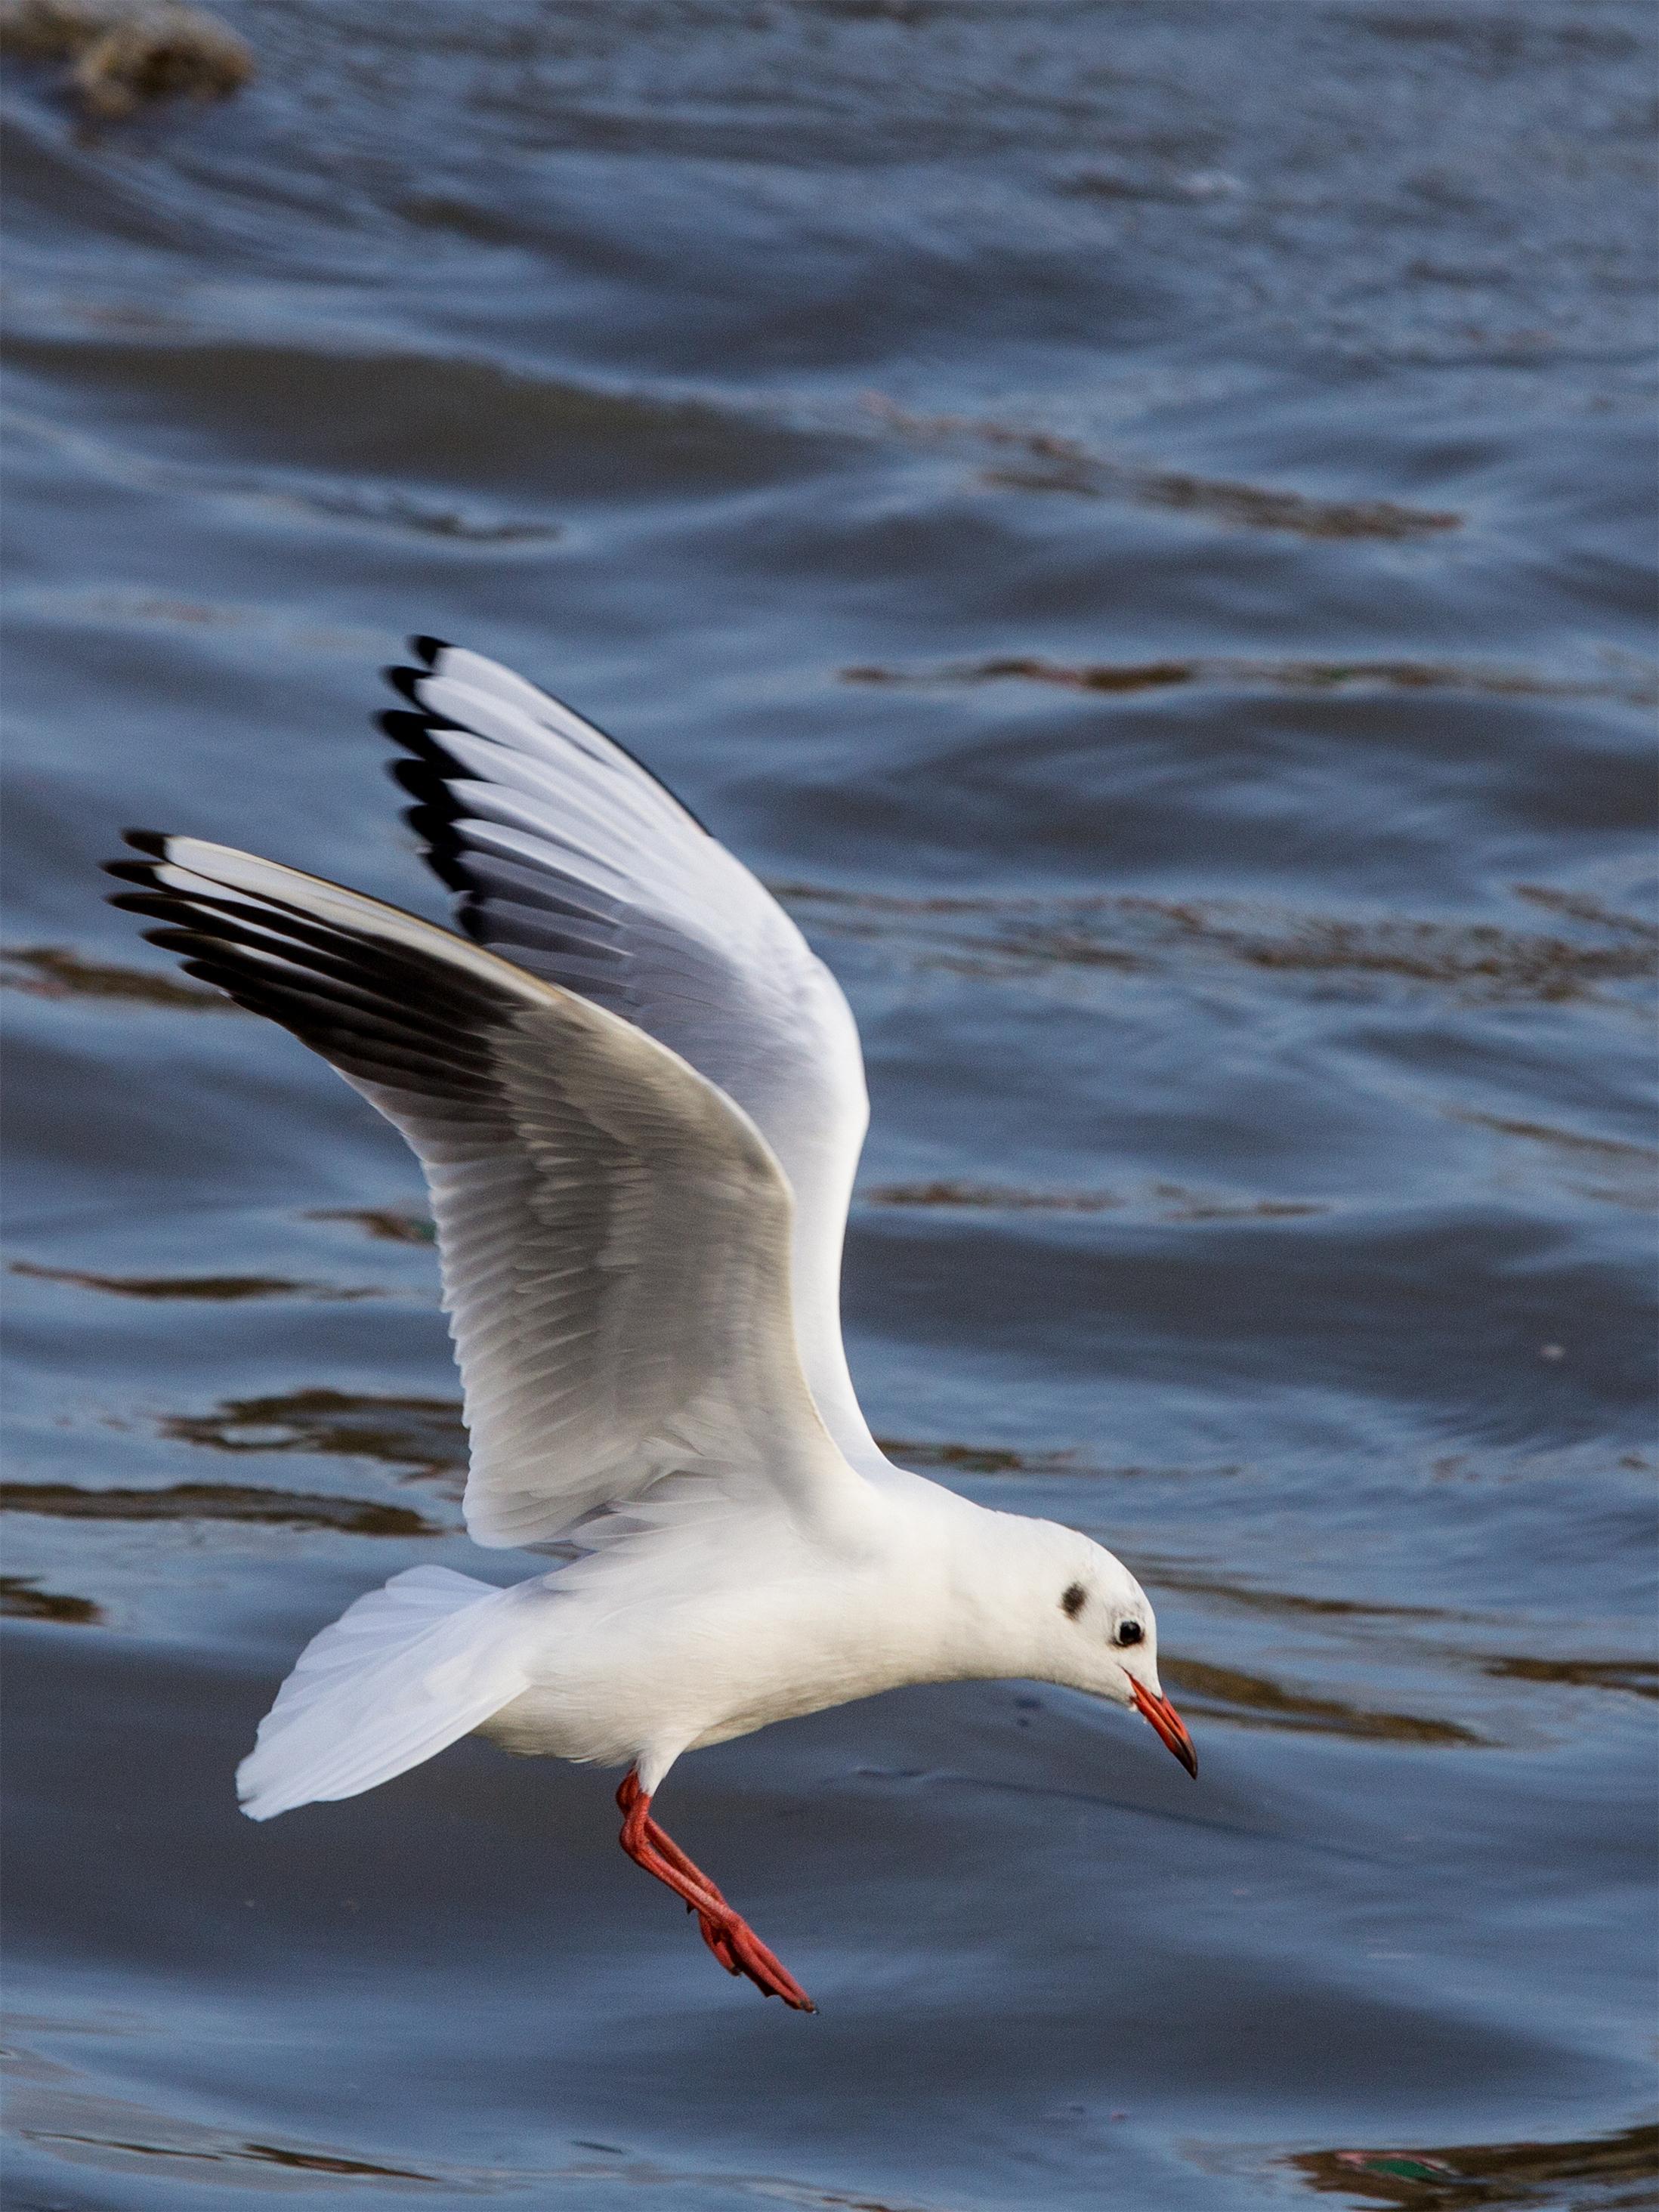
[403,1671]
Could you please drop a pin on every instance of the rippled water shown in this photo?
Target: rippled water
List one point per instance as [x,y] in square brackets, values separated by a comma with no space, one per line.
[1137,520]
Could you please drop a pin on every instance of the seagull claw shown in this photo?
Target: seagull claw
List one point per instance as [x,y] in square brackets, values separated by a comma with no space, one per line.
[714,1936]
[728,1935]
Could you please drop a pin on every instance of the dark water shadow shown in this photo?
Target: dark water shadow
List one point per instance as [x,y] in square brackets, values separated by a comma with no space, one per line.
[52,971]
[226,1290]
[1637,1678]
[420,1436]
[21,1600]
[979,1459]
[1225,1693]
[215,1501]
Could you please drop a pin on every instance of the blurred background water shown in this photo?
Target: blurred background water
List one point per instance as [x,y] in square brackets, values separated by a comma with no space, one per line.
[1137,520]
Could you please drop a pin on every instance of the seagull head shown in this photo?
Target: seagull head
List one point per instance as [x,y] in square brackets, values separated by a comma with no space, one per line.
[1095,1628]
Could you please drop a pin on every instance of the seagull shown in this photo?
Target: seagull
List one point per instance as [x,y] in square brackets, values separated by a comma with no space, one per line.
[638,1099]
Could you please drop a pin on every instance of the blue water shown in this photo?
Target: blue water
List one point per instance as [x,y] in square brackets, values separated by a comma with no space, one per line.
[1137,522]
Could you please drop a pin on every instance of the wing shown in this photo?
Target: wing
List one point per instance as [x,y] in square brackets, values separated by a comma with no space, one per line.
[615,1232]
[572,861]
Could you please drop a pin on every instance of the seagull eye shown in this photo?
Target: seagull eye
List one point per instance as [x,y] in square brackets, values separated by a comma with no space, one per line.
[1130,1632]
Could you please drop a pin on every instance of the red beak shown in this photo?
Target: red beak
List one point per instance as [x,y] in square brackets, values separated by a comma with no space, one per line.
[1168,1724]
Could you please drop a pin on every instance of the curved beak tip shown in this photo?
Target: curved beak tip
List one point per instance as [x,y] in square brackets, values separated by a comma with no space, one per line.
[1169,1724]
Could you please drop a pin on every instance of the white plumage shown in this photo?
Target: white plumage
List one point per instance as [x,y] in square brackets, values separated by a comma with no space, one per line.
[638,1099]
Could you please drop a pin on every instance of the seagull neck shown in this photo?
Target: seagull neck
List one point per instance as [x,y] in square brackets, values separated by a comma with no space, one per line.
[996,1612]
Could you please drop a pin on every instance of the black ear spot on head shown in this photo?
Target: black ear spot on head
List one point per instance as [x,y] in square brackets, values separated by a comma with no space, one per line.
[1073,1602]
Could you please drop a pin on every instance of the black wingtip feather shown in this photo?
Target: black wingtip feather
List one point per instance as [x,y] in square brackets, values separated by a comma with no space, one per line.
[153,841]
[404,680]
[130,871]
[155,902]
[420,735]
[427,649]
[442,855]
[173,938]
[424,778]
[425,775]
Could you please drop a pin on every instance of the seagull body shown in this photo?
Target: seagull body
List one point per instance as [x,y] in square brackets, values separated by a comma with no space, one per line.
[638,1099]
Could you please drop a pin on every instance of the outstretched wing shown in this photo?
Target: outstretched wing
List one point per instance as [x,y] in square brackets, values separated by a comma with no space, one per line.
[615,1232]
[572,861]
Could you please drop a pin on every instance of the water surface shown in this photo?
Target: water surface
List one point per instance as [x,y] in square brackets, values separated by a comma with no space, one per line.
[1137,521]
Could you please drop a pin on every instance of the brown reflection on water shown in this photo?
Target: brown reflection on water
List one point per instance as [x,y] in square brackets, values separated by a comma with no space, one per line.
[1169,1201]
[1438,952]
[420,1436]
[216,1501]
[1010,937]
[1256,1600]
[1517,2175]
[991,1198]
[1186,1205]
[1254,1701]
[388,1225]
[1003,1459]
[976,1459]
[1242,506]
[1479,955]
[1126,677]
[1567,1140]
[21,1599]
[1637,1677]
[225,1289]
[52,971]
[1066,464]
[1601,1168]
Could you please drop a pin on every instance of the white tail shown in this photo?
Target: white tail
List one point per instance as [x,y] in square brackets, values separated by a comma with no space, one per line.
[404,1671]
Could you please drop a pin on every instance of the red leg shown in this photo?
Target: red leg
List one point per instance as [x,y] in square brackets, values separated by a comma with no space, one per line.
[730,1939]
[664,1844]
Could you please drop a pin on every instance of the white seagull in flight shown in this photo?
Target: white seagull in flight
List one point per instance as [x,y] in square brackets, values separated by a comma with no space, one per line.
[638,1098]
